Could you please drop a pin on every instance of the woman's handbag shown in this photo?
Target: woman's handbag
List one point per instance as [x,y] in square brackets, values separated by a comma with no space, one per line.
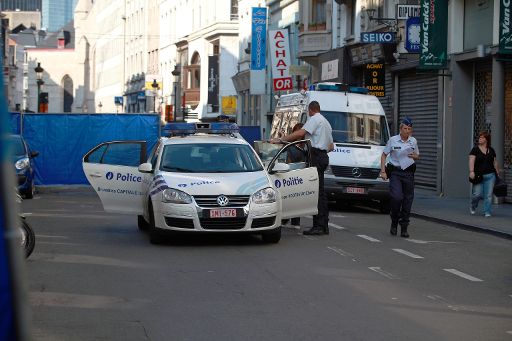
[500,187]
[478,178]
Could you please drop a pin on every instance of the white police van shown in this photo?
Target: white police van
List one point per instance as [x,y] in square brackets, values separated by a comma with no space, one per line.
[204,178]
[360,132]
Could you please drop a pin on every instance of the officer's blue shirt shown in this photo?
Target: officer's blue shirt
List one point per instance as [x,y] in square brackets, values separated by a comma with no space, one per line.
[396,144]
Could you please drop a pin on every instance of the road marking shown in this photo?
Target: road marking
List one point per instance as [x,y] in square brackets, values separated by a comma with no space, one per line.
[378,270]
[340,251]
[368,238]
[337,216]
[463,275]
[509,332]
[407,253]
[48,236]
[417,241]
[336,226]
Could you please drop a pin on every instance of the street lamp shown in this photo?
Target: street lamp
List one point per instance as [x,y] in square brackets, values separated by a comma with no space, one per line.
[39,79]
[100,105]
[176,73]
[155,87]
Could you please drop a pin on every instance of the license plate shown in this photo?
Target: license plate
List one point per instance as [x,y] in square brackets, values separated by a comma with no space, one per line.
[356,190]
[223,213]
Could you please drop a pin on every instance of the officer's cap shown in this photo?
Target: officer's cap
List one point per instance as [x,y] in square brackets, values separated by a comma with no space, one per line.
[407,121]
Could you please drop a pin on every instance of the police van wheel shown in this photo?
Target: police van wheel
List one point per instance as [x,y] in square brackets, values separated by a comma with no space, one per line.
[272,237]
[142,223]
[155,236]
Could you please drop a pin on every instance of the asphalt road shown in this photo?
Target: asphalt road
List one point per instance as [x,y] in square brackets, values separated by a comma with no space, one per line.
[94,276]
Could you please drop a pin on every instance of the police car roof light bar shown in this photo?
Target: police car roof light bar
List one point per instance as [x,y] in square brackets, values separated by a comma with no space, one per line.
[177,129]
[180,128]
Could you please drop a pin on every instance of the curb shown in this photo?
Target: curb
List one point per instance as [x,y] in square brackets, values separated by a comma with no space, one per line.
[463,226]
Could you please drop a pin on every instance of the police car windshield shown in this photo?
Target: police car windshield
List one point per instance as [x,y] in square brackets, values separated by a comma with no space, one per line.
[209,158]
[357,128]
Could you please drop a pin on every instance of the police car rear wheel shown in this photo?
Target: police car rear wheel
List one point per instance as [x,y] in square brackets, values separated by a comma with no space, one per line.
[272,237]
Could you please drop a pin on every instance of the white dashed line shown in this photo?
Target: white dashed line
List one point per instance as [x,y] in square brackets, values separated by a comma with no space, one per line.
[407,253]
[340,251]
[463,275]
[378,270]
[368,238]
[336,226]
[509,332]
[417,241]
[337,216]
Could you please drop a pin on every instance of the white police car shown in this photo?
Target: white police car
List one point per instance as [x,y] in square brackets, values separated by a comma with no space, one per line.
[205,178]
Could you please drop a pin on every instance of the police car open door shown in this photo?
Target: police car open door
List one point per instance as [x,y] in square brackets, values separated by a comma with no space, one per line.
[295,179]
[112,170]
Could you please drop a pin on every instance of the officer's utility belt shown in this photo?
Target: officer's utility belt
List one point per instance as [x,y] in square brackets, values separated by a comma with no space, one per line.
[390,168]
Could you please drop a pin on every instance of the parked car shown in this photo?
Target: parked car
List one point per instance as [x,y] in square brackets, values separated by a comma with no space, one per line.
[205,179]
[22,158]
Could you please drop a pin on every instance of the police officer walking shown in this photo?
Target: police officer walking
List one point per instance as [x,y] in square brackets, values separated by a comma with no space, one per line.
[403,152]
[319,131]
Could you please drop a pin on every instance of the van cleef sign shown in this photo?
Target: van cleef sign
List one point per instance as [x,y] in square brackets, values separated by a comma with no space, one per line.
[433,34]
[505,45]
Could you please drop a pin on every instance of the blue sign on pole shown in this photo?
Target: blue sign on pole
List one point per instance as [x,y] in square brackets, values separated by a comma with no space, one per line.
[118,100]
[259,38]
[378,37]
[412,33]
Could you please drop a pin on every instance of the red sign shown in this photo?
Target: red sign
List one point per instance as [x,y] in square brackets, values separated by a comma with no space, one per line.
[283,83]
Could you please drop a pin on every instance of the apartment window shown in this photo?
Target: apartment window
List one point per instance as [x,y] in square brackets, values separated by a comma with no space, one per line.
[378,6]
[317,11]
[234,9]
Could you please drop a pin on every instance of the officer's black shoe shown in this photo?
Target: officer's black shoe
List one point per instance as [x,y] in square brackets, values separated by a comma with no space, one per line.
[393,229]
[314,231]
[403,232]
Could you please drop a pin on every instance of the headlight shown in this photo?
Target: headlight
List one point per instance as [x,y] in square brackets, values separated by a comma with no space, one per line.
[176,197]
[264,196]
[328,170]
[22,163]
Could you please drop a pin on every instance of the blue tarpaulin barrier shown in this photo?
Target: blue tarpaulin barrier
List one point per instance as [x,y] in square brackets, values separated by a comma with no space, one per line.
[15,123]
[250,133]
[63,139]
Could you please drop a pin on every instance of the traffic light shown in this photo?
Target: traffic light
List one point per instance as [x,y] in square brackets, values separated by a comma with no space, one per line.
[43,102]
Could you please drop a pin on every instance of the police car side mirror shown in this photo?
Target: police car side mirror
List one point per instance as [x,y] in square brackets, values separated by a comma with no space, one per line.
[146,168]
[280,167]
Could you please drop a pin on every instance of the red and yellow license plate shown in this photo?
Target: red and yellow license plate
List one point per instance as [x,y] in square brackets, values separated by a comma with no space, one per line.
[223,213]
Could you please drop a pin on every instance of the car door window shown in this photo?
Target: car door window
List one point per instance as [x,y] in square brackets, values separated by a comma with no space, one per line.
[130,154]
[296,154]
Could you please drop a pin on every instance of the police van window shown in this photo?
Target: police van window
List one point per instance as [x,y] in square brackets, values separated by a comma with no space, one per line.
[123,154]
[357,128]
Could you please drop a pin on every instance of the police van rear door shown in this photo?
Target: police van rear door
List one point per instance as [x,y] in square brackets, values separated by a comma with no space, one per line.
[112,170]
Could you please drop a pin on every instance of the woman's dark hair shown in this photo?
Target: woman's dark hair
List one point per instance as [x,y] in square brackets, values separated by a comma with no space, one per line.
[297,126]
[487,137]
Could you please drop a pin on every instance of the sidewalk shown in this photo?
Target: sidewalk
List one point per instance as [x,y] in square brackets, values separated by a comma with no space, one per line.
[455,212]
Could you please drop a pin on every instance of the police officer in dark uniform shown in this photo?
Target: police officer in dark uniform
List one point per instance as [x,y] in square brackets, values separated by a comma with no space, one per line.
[403,152]
[319,131]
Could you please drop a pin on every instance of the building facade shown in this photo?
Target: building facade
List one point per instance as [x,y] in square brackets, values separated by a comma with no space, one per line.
[21,5]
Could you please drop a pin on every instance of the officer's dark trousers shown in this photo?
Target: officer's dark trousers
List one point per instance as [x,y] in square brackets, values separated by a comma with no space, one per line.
[401,190]
[321,161]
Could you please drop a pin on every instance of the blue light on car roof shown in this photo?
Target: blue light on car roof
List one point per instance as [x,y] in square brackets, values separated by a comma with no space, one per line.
[181,128]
